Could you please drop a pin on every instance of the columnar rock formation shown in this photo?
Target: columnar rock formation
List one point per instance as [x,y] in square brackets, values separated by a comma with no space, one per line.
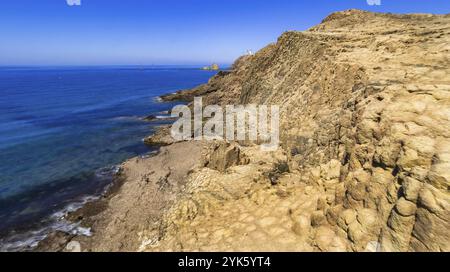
[365,102]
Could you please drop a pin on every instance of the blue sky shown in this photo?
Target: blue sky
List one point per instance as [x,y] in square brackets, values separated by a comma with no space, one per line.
[143,32]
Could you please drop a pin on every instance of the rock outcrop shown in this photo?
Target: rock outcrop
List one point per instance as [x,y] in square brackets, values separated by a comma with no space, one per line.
[223,156]
[365,121]
[162,137]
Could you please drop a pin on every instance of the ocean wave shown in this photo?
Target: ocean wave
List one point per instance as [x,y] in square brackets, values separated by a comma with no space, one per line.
[29,240]
[127,118]
[56,222]
[164,115]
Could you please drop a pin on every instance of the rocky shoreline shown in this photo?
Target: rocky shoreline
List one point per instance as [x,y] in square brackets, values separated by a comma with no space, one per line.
[363,162]
[161,176]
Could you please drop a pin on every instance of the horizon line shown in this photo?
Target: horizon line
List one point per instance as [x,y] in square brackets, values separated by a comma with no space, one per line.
[109,65]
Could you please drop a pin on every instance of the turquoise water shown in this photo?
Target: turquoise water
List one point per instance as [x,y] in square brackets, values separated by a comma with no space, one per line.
[63,129]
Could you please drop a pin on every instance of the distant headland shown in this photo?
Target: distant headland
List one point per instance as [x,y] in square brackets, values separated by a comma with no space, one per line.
[212,67]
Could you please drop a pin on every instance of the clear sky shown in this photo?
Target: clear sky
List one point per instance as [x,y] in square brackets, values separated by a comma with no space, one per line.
[143,32]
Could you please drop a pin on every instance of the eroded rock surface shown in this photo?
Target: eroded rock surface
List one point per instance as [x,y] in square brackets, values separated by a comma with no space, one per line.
[365,124]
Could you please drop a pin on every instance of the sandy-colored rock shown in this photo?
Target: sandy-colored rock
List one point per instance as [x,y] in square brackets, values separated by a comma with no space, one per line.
[225,155]
[405,207]
[364,160]
[364,101]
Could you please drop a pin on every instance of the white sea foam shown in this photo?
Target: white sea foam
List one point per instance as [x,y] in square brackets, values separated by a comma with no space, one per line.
[164,117]
[127,118]
[56,221]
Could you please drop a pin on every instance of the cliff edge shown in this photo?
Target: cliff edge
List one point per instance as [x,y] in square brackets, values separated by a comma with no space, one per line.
[365,123]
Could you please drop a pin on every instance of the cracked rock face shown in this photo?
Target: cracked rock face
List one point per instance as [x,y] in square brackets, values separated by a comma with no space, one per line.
[365,120]
[223,156]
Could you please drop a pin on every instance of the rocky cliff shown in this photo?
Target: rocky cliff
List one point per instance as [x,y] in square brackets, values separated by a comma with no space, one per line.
[365,110]
[364,163]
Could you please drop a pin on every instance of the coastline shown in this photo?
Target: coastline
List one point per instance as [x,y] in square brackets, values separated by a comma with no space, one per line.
[58,240]
[26,239]
[355,170]
[95,215]
[153,197]
[60,149]
[75,218]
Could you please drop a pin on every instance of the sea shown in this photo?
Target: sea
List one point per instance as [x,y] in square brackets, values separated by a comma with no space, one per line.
[63,133]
